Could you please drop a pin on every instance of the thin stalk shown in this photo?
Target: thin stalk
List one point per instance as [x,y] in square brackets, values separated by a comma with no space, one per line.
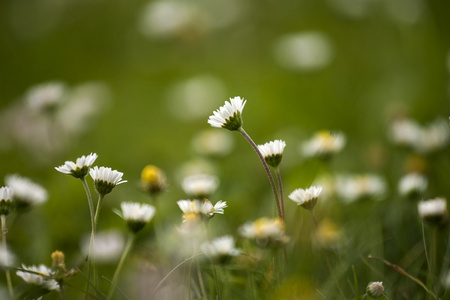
[97,213]
[120,265]
[432,264]
[327,259]
[200,280]
[8,275]
[91,210]
[280,188]
[266,168]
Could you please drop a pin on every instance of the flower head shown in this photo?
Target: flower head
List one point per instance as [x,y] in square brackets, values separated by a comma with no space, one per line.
[306,198]
[265,232]
[137,215]
[42,279]
[153,180]
[220,249]
[46,97]
[229,115]
[196,210]
[324,144]
[434,211]
[412,184]
[105,179]
[200,186]
[375,289]
[26,193]
[108,247]
[6,200]
[80,168]
[272,152]
[353,187]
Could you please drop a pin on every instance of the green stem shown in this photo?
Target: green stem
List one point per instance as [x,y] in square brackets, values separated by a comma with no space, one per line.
[91,242]
[432,264]
[120,265]
[200,280]
[266,168]
[280,188]
[8,275]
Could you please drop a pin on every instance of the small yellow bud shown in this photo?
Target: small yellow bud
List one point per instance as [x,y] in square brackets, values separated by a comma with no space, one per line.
[153,180]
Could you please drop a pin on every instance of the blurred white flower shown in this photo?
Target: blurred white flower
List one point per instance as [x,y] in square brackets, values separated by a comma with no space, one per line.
[105,179]
[412,184]
[42,279]
[353,187]
[433,211]
[352,8]
[273,152]
[195,97]
[305,51]
[80,168]
[198,209]
[423,139]
[46,97]
[375,289]
[26,192]
[6,258]
[323,144]
[229,115]
[200,186]
[213,142]
[137,215]
[6,200]
[220,248]
[187,20]
[265,232]
[108,246]
[306,198]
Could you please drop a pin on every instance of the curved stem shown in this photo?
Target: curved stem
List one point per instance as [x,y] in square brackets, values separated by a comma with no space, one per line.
[280,188]
[266,167]
[120,266]
[91,210]
[8,275]
[92,242]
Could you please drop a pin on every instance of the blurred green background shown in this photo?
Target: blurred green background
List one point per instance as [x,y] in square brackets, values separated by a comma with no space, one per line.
[366,62]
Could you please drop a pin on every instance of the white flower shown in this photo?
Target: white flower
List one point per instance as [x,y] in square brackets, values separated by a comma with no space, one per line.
[200,186]
[105,179]
[26,192]
[433,211]
[405,132]
[212,142]
[42,280]
[196,209]
[137,215]
[266,232]
[80,168]
[46,96]
[305,51]
[411,184]
[6,199]
[6,258]
[354,187]
[306,198]
[220,248]
[108,246]
[272,152]
[229,115]
[375,289]
[323,144]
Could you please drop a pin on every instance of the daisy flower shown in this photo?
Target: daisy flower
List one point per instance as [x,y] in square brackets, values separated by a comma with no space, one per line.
[196,209]
[272,152]
[105,179]
[375,289]
[265,232]
[80,168]
[6,198]
[433,211]
[229,115]
[137,215]
[306,198]
[220,249]
[153,180]
[200,186]
[42,279]
[323,144]
[26,193]
[412,184]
